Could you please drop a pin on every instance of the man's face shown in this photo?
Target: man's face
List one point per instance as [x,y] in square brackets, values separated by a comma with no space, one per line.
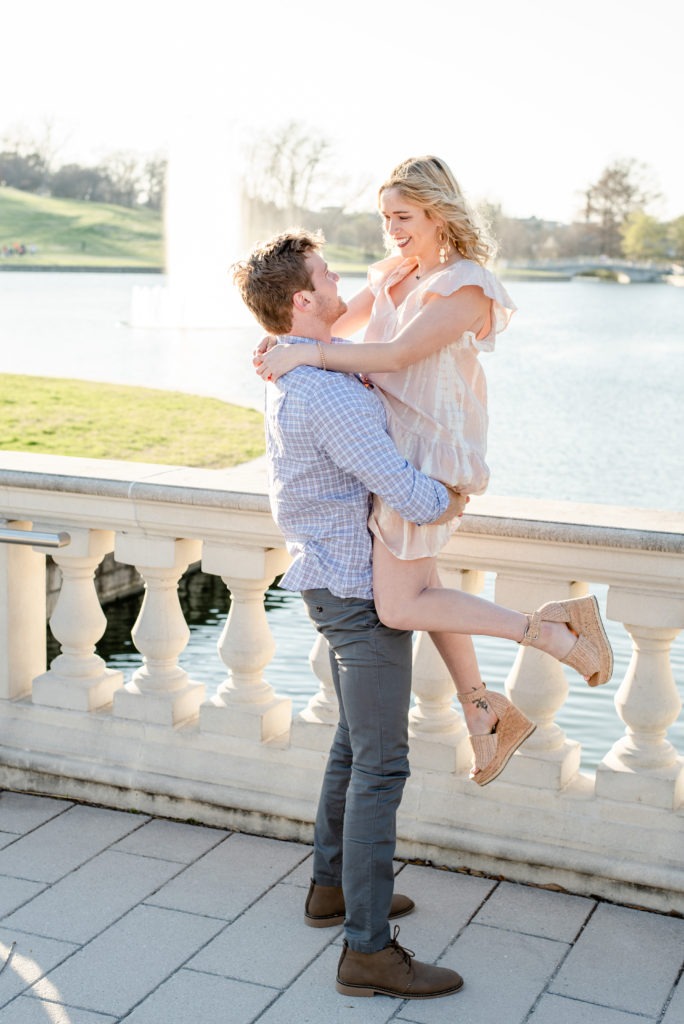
[327,304]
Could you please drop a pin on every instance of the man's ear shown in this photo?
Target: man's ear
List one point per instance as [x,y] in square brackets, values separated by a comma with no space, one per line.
[301,301]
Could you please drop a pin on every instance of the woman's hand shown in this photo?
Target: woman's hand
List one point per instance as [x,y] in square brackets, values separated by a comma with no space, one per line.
[281,358]
[264,345]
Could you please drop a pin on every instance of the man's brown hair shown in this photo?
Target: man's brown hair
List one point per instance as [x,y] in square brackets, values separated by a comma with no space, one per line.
[271,275]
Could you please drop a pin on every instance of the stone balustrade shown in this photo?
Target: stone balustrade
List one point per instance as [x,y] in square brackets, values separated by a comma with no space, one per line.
[155,742]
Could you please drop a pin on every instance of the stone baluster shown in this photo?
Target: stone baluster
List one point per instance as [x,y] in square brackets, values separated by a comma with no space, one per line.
[160,692]
[78,679]
[312,727]
[22,616]
[245,704]
[643,766]
[537,684]
[439,738]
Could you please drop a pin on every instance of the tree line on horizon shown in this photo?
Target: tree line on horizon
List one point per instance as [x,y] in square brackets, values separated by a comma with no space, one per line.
[289,173]
[123,178]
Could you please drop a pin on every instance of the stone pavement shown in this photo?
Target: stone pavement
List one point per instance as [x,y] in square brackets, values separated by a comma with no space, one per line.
[112,916]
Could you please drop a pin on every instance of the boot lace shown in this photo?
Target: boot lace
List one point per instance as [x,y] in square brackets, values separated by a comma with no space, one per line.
[405,954]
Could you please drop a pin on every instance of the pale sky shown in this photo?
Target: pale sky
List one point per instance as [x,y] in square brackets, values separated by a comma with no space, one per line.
[528,101]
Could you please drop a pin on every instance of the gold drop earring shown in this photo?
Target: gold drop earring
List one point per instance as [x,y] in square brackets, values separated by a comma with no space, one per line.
[444,247]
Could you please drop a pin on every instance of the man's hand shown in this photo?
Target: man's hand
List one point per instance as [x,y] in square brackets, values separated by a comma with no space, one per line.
[455,508]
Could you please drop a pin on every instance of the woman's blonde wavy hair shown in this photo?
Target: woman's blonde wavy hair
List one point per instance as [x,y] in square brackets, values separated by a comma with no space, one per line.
[428,182]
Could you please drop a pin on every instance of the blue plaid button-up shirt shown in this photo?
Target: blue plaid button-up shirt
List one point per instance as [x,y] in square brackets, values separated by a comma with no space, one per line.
[328,449]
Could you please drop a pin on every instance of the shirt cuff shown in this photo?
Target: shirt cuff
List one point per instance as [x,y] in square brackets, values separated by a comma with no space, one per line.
[443,499]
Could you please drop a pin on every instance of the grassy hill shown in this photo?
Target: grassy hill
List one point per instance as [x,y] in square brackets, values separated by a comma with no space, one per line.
[73,233]
[110,421]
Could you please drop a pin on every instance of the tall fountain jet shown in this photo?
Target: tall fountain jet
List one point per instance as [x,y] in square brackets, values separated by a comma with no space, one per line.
[203,231]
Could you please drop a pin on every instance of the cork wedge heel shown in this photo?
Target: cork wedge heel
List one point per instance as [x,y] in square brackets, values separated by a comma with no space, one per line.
[492,751]
[592,655]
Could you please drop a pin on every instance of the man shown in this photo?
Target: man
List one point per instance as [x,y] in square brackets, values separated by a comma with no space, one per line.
[328,449]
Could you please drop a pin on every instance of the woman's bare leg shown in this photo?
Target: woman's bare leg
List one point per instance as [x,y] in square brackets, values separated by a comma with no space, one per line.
[406,597]
[458,654]
[409,595]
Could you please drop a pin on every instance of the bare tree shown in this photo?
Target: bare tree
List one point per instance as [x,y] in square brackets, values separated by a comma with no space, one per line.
[288,168]
[153,181]
[73,181]
[624,187]
[38,148]
[122,170]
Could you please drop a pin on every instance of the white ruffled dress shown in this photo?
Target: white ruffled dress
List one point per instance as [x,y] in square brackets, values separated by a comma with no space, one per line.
[436,408]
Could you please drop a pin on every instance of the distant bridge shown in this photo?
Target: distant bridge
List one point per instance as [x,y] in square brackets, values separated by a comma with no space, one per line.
[624,271]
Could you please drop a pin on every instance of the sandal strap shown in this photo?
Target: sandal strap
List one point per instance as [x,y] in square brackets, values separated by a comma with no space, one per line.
[484,749]
[583,657]
[469,698]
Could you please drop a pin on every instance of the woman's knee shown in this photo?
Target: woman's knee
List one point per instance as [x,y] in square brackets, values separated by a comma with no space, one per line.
[393,609]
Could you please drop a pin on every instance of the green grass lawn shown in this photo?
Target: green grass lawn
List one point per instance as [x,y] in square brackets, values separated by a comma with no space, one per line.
[73,233]
[104,421]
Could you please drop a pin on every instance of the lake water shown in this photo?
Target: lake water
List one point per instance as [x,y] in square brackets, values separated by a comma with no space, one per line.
[586,396]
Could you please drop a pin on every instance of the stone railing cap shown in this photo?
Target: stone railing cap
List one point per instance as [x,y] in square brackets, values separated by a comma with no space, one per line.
[244,488]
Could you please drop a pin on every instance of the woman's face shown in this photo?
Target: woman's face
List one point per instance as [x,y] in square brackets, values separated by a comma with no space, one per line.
[408,225]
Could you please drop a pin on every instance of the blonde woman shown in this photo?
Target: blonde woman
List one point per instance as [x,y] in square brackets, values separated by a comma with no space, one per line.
[429,310]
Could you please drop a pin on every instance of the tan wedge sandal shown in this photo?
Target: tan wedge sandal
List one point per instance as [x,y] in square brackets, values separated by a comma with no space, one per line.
[592,655]
[493,750]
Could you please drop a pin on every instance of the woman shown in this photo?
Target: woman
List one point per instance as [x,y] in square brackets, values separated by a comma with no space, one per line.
[430,309]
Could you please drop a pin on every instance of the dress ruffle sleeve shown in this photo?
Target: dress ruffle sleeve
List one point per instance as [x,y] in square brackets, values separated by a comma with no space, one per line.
[463,274]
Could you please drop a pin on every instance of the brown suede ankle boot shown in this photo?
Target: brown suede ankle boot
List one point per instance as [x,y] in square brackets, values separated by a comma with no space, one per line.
[393,972]
[325,906]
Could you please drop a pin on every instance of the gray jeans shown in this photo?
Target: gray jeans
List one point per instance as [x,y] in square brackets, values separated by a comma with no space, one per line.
[355,832]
